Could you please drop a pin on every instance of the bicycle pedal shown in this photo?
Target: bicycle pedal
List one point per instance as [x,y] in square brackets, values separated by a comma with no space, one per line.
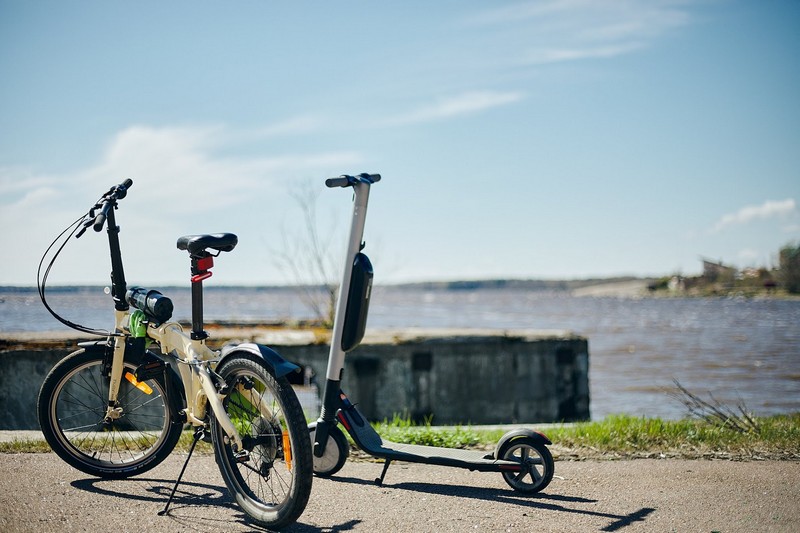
[242,457]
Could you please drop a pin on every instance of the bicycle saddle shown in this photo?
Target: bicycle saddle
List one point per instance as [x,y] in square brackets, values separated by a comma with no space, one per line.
[197,244]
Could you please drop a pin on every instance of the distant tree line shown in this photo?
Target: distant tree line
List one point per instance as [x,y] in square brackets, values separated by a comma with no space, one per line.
[789,264]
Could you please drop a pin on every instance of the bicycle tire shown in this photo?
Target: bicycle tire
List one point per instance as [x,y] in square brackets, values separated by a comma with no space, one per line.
[269,480]
[72,406]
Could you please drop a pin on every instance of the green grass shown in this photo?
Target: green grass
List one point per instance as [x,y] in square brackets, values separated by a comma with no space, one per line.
[24,446]
[777,437]
[404,431]
[621,436]
[616,437]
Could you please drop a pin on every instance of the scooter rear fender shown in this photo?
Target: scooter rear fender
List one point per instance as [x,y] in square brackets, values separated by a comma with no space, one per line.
[520,433]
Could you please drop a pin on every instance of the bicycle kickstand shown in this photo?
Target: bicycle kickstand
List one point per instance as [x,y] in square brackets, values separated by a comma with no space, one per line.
[198,434]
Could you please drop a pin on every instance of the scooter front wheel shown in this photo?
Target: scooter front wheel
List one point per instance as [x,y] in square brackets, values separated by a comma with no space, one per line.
[337,449]
[536,461]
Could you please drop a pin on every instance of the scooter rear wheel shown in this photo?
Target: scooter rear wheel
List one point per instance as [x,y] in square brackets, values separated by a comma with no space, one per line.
[537,464]
[337,450]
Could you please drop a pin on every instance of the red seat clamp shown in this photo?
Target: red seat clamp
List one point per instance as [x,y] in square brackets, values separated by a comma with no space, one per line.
[201,277]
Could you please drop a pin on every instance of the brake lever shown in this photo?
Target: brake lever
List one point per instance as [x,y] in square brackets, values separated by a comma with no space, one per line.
[87,221]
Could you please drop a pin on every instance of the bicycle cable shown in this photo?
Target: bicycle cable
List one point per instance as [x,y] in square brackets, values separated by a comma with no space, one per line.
[41,279]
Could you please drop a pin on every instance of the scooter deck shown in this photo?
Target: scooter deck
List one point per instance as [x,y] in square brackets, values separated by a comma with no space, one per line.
[371,442]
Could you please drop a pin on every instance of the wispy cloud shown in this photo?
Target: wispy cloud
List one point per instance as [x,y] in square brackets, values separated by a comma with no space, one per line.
[557,55]
[188,164]
[184,178]
[456,105]
[183,161]
[569,30]
[768,209]
[292,126]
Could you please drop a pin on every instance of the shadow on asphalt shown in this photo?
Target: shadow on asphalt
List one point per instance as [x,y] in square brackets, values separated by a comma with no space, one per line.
[204,495]
[208,496]
[158,491]
[546,502]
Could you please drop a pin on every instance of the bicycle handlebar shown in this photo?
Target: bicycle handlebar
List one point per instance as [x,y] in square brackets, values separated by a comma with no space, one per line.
[100,219]
[106,203]
[349,181]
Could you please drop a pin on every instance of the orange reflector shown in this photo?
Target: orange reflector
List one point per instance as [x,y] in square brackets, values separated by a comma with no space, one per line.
[287,450]
[141,385]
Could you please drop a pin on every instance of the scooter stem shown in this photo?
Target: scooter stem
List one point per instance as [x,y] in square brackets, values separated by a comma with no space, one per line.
[330,397]
[336,355]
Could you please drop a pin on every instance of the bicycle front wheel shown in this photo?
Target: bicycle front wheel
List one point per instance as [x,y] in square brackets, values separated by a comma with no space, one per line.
[72,409]
[271,477]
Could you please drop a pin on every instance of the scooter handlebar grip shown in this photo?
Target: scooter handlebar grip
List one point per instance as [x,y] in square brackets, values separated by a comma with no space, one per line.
[341,181]
[374,178]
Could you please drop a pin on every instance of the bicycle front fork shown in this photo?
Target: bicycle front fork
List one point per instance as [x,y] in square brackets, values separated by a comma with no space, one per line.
[113,411]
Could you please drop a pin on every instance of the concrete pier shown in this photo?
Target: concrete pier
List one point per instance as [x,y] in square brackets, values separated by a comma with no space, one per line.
[451,376]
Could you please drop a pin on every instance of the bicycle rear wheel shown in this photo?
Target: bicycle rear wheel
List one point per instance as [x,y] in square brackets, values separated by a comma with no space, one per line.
[271,477]
[72,408]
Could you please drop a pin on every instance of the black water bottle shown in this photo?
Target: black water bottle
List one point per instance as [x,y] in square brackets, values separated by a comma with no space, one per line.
[153,304]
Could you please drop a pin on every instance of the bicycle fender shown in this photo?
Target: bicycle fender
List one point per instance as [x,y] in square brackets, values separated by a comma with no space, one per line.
[517,433]
[279,365]
[97,346]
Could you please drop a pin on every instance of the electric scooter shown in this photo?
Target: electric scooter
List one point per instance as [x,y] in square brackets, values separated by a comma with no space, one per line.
[521,455]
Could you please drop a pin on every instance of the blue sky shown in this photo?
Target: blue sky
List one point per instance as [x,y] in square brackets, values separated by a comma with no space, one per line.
[552,139]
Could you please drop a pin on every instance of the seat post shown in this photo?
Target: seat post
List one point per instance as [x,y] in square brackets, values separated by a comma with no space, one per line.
[202,261]
[201,264]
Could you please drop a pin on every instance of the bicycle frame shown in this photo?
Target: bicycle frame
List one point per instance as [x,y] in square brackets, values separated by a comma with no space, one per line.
[196,361]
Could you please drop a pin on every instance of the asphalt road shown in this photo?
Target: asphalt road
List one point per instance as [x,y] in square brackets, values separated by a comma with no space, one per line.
[39,493]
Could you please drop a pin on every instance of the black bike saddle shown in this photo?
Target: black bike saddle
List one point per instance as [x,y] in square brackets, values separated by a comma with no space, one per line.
[197,244]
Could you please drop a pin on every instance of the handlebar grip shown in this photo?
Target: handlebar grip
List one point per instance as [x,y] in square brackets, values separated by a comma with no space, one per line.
[374,178]
[100,219]
[99,222]
[341,181]
[121,191]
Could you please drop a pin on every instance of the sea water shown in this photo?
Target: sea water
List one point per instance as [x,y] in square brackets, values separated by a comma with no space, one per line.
[732,350]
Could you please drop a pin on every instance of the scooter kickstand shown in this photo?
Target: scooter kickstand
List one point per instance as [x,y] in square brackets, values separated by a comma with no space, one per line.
[379,481]
[198,434]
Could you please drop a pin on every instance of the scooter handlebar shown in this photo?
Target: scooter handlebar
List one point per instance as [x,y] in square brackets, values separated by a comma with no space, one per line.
[348,181]
[341,181]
